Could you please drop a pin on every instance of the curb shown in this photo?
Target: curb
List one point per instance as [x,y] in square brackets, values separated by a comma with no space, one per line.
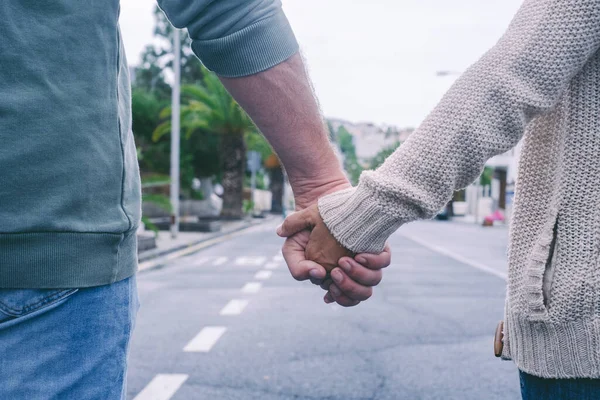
[155,253]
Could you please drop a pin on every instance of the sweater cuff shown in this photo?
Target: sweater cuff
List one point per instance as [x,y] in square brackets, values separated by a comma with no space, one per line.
[356,220]
[251,50]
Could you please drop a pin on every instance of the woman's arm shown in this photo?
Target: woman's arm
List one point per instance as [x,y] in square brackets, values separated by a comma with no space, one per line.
[482,115]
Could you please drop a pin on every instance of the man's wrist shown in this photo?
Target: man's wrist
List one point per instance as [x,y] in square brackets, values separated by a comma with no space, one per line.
[308,190]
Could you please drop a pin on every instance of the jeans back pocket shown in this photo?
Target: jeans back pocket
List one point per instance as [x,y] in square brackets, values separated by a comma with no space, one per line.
[18,303]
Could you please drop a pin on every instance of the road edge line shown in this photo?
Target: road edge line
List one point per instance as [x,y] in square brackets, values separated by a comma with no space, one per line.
[457,257]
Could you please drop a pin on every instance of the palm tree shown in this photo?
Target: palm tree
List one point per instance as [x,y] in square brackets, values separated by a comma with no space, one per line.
[210,109]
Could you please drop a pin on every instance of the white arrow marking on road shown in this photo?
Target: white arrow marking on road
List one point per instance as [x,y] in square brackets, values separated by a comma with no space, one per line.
[205,340]
[263,275]
[162,387]
[220,261]
[254,261]
[234,307]
[272,265]
[252,287]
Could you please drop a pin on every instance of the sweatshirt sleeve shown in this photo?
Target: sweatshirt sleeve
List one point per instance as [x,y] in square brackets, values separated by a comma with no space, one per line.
[234,38]
[483,114]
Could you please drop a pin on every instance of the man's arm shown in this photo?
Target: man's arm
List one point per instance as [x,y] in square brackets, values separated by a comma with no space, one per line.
[281,103]
[252,48]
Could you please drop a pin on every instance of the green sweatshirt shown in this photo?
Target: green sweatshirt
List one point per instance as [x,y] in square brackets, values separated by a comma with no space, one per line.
[70,200]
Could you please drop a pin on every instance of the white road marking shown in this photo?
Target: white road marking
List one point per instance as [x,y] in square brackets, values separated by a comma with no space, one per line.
[272,265]
[196,262]
[220,261]
[252,287]
[254,261]
[234,307]
[263,275]
[457,257]
[205,340]
[278,257]
[162,387]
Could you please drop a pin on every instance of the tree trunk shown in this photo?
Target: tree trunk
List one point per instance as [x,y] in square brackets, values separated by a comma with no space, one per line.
[277,190]
[233,159]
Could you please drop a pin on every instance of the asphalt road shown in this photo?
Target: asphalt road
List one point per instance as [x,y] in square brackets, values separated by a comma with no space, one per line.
[229,323]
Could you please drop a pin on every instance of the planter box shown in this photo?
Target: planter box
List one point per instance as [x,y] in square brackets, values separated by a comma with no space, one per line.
[146,241]
[189,224]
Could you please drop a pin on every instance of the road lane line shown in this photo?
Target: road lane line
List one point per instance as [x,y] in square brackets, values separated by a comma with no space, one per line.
[234,307]
[263,275]
[272,265]
[457,257]
[254,261]
[205,340]
[162,387]
[252,287]
[220,261]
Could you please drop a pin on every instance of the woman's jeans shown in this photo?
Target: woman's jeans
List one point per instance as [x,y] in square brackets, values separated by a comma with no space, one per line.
[66,343]
[534,388]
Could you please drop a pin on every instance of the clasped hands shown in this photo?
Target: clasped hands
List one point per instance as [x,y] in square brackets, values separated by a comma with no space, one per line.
[311,252]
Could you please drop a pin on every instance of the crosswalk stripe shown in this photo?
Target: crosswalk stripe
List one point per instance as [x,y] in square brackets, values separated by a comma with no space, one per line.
[272,265]
[252,287]
[254,261]
[196,262]
[262,275]
[162,387]
[278,257]
[205,340]
[234,307]
[220,261]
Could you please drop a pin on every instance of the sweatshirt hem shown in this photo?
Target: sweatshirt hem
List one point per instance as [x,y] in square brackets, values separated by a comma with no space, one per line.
[55,260]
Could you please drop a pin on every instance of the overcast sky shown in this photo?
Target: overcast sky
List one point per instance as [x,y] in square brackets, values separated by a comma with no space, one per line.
[373,60]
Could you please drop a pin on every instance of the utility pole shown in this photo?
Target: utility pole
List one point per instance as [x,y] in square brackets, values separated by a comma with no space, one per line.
[175,99]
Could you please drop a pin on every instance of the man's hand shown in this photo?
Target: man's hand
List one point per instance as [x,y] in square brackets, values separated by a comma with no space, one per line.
[311,252]
[321,247]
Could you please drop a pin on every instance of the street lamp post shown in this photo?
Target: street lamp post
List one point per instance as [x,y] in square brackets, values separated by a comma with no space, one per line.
[175,116]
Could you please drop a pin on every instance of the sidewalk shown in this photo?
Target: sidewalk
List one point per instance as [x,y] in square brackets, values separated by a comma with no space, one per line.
[166,245]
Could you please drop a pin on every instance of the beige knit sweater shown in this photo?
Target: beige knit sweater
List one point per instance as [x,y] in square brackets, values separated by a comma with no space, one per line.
[542,80]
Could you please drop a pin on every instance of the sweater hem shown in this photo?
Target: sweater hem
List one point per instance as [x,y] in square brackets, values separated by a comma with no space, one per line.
[554,350]
[56,260]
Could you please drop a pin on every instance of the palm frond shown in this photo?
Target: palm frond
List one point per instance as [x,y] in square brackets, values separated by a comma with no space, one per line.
[165,113]
[161,130]
[199,94]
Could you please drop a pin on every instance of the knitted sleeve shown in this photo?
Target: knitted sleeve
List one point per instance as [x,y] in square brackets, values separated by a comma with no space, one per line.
[482,115]
[234,38]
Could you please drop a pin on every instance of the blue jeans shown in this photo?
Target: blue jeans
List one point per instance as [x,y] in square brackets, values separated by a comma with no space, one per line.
[534,388]
[66,343]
